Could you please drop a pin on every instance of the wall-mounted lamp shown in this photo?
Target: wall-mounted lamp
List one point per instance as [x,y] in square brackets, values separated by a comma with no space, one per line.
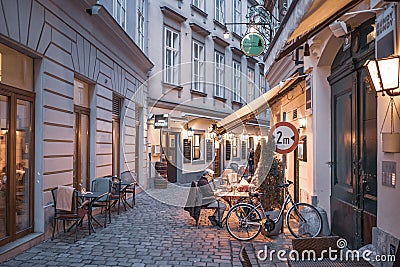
[384,74]
[94,10]
[302,123]
[230,136]
[338,28]
[227,34]
[190,132]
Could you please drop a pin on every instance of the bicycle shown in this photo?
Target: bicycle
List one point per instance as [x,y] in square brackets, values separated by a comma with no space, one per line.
[302,219]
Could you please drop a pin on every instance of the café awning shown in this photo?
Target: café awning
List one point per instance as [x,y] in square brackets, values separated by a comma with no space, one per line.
[255,107]
[305,19]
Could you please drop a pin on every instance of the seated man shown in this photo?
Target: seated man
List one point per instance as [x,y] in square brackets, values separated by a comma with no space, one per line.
[208,197]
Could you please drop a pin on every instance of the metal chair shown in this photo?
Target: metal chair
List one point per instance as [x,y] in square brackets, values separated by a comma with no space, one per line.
[102,185]
[129,177]
[77,213]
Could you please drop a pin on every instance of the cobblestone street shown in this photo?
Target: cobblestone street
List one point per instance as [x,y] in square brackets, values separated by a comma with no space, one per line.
[151,234]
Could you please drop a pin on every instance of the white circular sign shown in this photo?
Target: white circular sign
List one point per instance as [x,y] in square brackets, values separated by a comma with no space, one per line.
[285,136]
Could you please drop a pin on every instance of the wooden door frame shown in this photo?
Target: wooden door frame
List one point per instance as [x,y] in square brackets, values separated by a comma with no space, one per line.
[78,110]
[14,94]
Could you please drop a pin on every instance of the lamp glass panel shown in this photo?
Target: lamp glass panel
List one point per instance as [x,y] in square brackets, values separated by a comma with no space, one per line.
[389,70]
[373,73]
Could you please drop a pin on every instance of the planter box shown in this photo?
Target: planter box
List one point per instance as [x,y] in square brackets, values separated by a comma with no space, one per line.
[391,142]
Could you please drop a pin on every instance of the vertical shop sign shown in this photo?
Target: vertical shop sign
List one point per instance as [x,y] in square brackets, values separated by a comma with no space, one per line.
[385,32]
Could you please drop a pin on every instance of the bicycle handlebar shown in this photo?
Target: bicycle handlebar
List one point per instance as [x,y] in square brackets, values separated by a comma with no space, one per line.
[284,185]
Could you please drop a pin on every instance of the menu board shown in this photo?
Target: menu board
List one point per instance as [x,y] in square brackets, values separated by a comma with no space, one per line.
[187,150]
[228,150]
[209,155]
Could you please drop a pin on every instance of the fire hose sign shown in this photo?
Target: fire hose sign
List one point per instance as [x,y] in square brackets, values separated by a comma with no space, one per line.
[285,136]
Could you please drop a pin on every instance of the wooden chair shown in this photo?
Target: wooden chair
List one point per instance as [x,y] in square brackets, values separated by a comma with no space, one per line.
[244,257]
[76,214]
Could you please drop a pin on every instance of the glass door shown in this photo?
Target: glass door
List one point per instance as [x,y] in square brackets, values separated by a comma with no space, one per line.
[16,164]
[81,148]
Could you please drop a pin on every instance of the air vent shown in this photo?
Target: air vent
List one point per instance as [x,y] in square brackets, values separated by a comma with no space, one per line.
[116,108]
[295,114]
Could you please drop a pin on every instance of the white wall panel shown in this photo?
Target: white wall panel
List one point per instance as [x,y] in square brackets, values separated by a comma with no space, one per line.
[24,8]
[57,164]
[57,101]
[58,133]
[53,180]
[58,148]
[36,25]
[58,117]
[59,86]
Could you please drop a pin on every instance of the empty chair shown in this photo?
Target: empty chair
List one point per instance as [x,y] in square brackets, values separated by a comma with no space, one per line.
[129,177]
[68,207]
[116,192]
[102,185]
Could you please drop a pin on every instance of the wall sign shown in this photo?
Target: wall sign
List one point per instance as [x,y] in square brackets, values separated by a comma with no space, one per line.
[209,150]
[252,44]
[160,121]
[385,32]
[187,150]
[285,136]
[389,173]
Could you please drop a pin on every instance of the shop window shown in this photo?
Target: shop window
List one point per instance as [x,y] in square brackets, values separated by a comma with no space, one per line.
[16,69]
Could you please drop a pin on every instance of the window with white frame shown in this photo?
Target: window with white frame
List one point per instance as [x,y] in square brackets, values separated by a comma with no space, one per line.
[197,147]
[219,74]
[219,10]
[263,87]
[171,56]
[198,67]
[250,84]
[237,16]
[236,81]
[119,12]
[140,23]
[199,4]
[235,143]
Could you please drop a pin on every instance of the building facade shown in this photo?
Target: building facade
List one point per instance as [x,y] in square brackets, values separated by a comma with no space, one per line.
[72,107]
[200,77]
[346,166]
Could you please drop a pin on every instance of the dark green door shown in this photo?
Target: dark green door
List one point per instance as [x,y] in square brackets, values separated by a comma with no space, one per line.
[354,142]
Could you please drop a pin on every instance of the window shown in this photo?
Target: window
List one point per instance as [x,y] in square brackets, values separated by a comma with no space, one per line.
[197,147]
[219,10]
[219,74]
[250,84]
[140,23]
[263,87]
[171,56]
[235,143]
[199,4]
[237,16]
[236,81]
[198,67]
[119,12]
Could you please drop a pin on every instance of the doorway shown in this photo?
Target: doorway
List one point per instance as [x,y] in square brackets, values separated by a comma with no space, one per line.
[169,144]
[16,159]
[354,143]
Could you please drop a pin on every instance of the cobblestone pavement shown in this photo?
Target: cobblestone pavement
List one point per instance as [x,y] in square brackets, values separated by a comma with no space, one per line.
[150,234]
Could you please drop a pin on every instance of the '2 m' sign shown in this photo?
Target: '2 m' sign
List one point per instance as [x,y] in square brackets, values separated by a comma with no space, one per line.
[285,136]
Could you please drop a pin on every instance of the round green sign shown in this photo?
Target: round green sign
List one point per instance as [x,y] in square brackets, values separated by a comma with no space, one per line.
[252,44]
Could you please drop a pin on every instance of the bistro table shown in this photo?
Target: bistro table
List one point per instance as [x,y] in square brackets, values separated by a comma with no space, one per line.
[91,196]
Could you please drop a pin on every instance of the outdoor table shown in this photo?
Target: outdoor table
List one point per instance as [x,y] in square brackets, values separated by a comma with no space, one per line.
[91,196]
[229,197]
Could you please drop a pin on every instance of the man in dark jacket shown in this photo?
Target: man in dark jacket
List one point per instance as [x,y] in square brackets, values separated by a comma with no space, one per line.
[208,197]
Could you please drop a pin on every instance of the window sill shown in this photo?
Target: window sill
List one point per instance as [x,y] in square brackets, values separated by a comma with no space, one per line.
[219,24]
[198,161]
[198,11]
[199,93]
[237,36]
[220,98]
[172,86]
[237,103]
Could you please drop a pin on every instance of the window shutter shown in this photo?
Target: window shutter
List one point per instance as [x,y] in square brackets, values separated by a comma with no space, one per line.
[116,107]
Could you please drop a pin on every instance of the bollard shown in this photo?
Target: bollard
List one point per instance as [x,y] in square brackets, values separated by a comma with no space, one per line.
[325,225]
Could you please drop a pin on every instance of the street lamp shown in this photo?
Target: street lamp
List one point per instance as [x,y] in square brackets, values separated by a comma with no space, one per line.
[384,74]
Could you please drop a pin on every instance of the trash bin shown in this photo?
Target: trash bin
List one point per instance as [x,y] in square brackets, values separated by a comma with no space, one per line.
[325,225]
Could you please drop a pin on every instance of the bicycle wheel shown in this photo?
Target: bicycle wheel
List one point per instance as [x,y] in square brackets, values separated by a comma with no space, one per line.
[304,220]
[243,222]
